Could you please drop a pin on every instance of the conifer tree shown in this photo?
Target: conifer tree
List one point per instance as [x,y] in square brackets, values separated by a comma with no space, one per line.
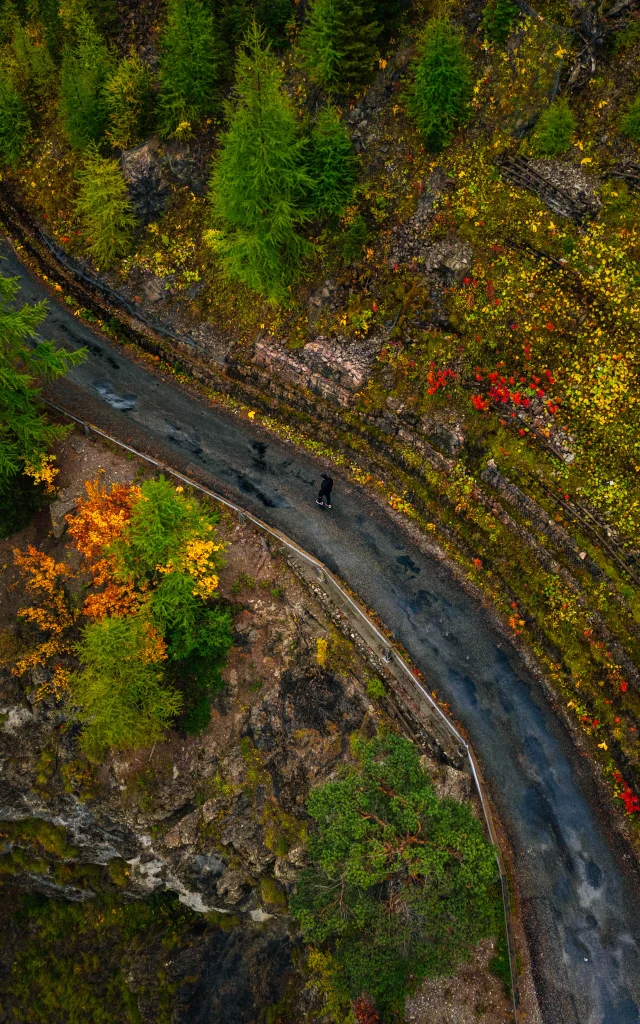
[332,164]
[258,182]
[120,689]
[630,124]
[554,130]
[339,43]
[25,433]
[31,66]
[128,99]
[389,14]
[14,123]
[189,66]
[442,87]
[85,69]
[49,12]
[105,208]
[498,19]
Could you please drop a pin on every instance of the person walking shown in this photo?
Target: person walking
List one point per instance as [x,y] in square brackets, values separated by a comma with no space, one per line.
[324,494]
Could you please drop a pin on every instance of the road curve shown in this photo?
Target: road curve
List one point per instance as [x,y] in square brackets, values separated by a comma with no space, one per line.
[581,904]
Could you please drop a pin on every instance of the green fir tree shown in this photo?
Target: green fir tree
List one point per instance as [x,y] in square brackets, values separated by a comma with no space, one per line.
[259,182]
[30,65]
[441,92]
[86,66]
[104,206]
[26,434]
[128,95]
[339,43]
[630,124]
[49,14]
[555,128]
[498,19]
[390,14]
[14,123]
[121,694]
[331,163]
[189,67]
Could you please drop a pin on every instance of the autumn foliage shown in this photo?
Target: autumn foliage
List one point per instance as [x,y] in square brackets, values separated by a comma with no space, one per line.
[148,640]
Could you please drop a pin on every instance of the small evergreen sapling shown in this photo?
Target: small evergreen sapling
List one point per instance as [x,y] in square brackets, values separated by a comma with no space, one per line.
[128,99]
[104,206]
[85,69]
[630,124]
[14,123]
[554,131]
[442,89]
[355,239]
[332,164]
[188,67]
[498,19]
[259,183]
[339,43]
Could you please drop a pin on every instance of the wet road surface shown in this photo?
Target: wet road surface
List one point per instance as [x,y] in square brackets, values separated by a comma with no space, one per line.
[580,902]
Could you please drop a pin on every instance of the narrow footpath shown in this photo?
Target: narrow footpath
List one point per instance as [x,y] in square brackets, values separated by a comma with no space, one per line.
[580,900]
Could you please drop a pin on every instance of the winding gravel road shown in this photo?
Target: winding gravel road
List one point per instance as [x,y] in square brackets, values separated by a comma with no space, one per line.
[580,902]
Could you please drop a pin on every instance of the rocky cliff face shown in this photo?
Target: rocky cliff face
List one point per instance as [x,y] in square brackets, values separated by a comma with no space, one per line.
[215,822]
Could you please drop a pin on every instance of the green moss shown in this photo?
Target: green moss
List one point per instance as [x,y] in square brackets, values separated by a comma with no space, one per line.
[49,838]
[119,872]
[225,922]
[72,960]
[272,894]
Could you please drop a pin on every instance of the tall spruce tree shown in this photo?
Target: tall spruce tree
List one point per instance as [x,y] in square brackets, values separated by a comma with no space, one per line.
[339,43]
[390,13]
[25,432]
[105,208]
[86,65]
[498,19]
[128,99]
[30,64]
[332,164]
[442,88]
[259,182]
[189,66]
[14,123]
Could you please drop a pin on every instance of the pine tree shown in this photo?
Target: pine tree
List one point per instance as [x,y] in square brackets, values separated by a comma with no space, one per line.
[49,12]
[390,13]
[85,69]
[442,87]
[554,130]
[630,124]
[25,433]
[105,208]
[498,19]
[120,691]
[32,69]
[189,67]
[339,43]
[128,99]
[258,182]
[14,123]
[332,164]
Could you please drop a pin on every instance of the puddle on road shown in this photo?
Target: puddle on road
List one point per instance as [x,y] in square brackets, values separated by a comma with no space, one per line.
[122,403]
